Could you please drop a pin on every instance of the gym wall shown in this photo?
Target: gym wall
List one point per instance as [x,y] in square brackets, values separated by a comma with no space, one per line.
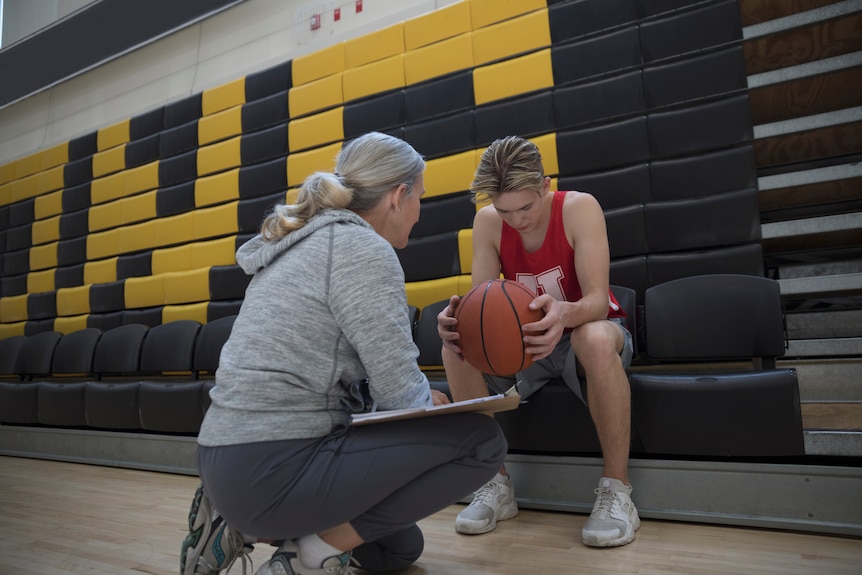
[641,102]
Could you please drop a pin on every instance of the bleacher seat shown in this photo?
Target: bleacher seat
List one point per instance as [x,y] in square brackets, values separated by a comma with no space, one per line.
[728,411]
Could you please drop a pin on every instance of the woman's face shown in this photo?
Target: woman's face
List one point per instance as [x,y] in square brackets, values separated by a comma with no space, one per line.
[407,214]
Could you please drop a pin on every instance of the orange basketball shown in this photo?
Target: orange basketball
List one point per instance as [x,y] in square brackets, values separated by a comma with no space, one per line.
[490,317]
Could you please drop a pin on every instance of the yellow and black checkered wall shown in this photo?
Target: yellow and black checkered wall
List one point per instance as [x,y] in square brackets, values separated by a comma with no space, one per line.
[641,102]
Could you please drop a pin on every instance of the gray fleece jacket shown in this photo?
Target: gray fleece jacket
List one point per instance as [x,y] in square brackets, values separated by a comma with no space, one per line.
[326,307]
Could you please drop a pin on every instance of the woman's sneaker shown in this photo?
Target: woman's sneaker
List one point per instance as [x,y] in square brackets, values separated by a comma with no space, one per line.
[494,501]
[614,518]
[285,561]
[211,545]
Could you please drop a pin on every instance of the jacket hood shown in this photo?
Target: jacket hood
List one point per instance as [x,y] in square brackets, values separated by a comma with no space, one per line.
[257,253]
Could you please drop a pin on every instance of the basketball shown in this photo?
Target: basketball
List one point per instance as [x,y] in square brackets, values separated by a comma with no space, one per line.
[490,317]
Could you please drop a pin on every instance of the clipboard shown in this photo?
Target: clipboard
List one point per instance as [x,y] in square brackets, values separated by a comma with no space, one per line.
[489,404]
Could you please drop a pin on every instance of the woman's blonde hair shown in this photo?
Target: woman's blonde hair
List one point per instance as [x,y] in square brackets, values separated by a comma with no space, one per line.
[366,168]
[509,164]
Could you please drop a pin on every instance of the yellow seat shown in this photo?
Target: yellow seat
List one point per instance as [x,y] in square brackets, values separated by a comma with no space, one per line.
[223,97]
[193,311]
[104,216]
[486,12]
[137,237]
[188,286]
[220,252]
[138,208]
[100,271]
[512,77]
[465,250]
[547,145]
[219,157]
[422,293]
[375,46]
[41,281]
[48,205]
[22,189]
[141,179]
[146,291]
[49,180]
[318,64]
[174,259]
[44,231]
[303,164]
[220,126]
[217,189]
[13,308]
[43,257]
[216,221]
[439,59]
[27,166]
[438,25]
[314,96]
[12,328]
[73,301]
[7,174]
[316,130]
[450,174]
[70,324]
[516,36]
[53,157]
[107,188]
[113,135]
[175,230]
[110,161]
[380,76]
[103,244]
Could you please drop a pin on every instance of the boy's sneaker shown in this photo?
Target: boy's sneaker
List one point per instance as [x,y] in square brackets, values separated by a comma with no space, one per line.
[494,501]
[211,545]
[286,561]
[614,518]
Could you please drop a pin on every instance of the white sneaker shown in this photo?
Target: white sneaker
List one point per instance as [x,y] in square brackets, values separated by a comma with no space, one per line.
[494,501]
[285,561]
[614,518]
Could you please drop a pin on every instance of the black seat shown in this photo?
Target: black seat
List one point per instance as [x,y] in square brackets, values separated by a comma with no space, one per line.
[17,398]
[170,401]
[9,349]
[36,355]
[111,397]
[719,409]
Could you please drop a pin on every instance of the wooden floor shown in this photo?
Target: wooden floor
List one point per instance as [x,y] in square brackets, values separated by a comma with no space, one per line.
[60,518]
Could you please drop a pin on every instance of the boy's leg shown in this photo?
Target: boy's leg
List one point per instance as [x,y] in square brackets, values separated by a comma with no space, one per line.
[604,351]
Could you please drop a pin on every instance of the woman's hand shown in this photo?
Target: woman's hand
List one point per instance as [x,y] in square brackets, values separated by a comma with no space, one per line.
[446,323]
[439,397]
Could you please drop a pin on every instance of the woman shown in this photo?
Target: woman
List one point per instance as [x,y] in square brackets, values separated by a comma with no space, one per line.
[324,330]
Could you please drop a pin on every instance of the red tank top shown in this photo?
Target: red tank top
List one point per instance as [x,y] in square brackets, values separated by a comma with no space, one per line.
[551,268]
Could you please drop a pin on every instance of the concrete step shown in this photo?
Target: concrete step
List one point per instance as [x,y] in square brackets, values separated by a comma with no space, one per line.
[833,443]
[832,347]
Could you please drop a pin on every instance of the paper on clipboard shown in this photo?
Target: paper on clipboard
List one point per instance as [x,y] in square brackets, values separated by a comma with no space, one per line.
[490,404]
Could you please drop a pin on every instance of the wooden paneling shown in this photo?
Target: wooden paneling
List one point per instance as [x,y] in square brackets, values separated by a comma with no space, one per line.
[809,145]
[801,97]
[834,416]
[759,11]
[821,194]
[796,46]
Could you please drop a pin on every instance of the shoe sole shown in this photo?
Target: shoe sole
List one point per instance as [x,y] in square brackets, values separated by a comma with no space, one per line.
[509,512]
[195,535]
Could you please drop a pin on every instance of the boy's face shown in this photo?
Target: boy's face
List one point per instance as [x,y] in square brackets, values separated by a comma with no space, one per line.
[521,209]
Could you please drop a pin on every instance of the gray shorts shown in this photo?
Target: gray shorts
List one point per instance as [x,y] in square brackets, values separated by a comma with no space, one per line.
[561,364]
